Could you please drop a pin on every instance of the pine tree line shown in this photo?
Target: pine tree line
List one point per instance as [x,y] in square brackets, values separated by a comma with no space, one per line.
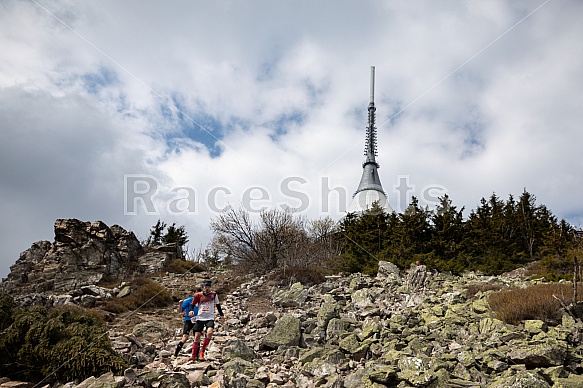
[497,237]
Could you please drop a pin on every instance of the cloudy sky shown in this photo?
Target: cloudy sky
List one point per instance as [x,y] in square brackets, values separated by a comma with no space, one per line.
[134,111]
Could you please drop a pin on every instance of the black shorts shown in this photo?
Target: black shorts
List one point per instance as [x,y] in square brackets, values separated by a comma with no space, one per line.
[199,326]
[188,326]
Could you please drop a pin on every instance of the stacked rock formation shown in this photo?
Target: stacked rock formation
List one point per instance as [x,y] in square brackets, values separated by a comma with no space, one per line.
[81,255]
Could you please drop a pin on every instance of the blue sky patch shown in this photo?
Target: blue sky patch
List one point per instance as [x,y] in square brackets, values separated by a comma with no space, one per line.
[282,124]
[95,82]
[198,126]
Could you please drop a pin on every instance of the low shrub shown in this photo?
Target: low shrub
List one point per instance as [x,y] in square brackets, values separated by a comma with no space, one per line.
[305,275]
[535,302]
[6,308]
[183,266]
[145,293]
[109,281]
[61,344]
[553,268]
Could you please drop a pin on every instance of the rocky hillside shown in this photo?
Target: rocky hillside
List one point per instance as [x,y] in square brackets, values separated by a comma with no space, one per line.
[350,331]
[396,329]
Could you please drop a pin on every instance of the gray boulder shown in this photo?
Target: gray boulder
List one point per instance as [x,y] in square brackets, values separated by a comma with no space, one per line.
[294,297]
[286,332]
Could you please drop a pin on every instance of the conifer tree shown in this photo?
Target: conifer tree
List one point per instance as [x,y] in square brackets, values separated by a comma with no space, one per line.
[411,235]
[364,238]
[175,235]
[155,237]
[447,226]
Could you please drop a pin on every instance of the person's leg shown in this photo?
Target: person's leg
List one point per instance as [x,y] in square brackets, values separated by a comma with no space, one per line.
[198,327]
[207,339]
[185,330]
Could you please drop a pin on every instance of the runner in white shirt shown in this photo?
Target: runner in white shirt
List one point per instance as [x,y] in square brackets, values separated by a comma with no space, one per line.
[205,319]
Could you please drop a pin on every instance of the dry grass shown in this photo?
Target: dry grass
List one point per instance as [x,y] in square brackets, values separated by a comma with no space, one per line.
[183,266]
[536,302]
[305,275]
[473,289]
[145,293]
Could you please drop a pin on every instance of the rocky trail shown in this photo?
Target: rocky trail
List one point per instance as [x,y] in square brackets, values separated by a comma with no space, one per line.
[354,331]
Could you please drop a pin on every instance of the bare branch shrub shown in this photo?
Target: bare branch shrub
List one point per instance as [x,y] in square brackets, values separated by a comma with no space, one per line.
[276,240]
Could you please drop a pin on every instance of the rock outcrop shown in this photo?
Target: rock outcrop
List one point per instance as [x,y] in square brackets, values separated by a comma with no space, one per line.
[81,255]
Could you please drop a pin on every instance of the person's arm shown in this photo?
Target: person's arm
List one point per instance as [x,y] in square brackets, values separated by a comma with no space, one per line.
[220,310]
[193,305]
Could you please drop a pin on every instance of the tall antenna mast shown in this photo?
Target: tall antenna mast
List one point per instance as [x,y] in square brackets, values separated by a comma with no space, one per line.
[372,84]
[370,190]
[370,147]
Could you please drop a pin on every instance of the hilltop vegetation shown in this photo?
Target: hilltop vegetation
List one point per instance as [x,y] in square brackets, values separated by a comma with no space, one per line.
[497,237]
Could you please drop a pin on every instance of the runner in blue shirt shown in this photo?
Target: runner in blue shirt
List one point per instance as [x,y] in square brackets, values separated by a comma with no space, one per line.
[185,308]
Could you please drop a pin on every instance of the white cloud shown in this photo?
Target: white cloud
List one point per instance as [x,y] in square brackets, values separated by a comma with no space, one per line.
[476,98]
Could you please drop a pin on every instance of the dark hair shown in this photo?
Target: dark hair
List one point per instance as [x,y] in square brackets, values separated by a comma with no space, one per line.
[207,283]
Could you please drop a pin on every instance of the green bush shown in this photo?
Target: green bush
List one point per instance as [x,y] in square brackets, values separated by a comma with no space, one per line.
[6,308]
[555,267]
[56,345]
[536,302]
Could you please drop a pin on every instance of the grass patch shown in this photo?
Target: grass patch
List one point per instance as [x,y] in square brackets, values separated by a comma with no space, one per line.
[535,302]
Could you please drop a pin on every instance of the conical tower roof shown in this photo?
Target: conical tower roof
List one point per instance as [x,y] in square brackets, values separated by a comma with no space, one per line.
[370,189]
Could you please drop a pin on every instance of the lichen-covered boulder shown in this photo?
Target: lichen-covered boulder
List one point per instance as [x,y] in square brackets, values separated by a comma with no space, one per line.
[328,309]
[416,371]
[238,372]
[236,348]
[533,354]
[522,379]
[294,297]
[286,332]
[173,380]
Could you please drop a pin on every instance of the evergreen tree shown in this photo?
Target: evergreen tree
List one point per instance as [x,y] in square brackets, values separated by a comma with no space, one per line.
[175,235]
[510,225]
[155,237]
[478,230]
[528,224]
[363,239]
[411,235]
[160,235]
[447,231]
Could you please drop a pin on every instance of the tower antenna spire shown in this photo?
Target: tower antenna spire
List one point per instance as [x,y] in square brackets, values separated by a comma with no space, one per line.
[370,147]
[370,189]
[372,84]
